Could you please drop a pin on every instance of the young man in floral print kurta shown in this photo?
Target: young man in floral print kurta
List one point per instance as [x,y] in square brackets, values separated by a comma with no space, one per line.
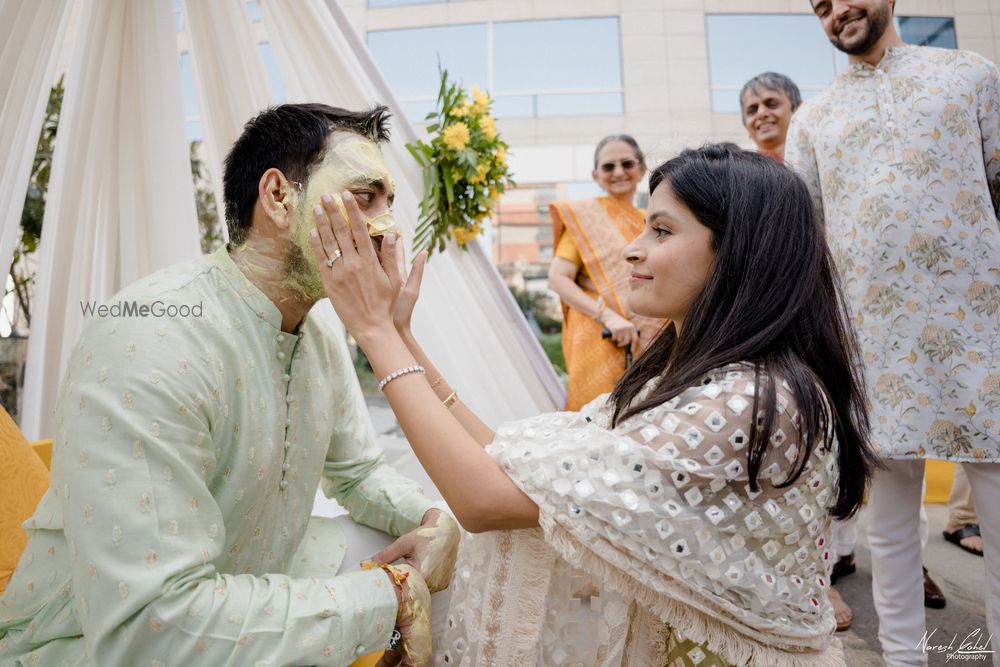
[902,153]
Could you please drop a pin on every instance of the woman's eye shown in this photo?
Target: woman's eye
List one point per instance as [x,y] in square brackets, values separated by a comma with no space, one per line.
[367,196]
[660,231]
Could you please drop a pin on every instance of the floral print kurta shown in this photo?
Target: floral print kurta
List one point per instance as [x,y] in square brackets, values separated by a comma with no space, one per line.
[187,455]
[904,159]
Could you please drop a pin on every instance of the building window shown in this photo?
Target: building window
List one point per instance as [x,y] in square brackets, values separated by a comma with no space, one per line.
[581,76]
[928,31]
[409,60]
[741,46]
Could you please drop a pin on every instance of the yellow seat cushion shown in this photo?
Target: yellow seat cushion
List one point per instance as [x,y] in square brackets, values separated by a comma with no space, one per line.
[24,478]
[938,475]
[367,660]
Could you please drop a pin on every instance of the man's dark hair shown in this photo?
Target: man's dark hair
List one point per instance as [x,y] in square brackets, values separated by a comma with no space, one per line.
[292,138]
[773,299]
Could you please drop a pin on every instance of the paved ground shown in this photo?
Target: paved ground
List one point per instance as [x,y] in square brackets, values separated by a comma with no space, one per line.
[959,574]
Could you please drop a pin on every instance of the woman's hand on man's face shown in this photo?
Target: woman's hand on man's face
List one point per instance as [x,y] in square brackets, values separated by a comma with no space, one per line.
[355,281]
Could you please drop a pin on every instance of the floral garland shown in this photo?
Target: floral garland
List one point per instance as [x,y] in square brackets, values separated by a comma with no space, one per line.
[465,168]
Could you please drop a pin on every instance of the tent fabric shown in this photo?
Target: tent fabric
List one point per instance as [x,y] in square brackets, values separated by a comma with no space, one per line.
[30,30]
[121,202]
[229,75]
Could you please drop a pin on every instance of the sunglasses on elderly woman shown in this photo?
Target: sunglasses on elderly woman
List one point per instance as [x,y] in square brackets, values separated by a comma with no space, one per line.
[609,167]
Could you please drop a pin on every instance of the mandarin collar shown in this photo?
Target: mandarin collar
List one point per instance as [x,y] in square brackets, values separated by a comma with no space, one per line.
[891,55]
[255,299]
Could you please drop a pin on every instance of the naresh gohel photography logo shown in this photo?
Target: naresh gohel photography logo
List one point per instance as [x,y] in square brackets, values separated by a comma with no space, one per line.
[138,309]
[973,647]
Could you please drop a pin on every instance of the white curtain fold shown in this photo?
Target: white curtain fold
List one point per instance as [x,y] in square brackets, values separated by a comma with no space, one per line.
[30,33]
[229,75]
[466,319]
[121,201]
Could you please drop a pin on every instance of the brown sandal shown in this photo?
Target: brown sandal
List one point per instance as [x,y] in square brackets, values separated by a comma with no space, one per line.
[839,608]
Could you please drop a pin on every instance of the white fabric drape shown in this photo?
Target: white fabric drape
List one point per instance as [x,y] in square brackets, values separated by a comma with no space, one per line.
[466,318]
[29,33]
[229,75]
[121,202]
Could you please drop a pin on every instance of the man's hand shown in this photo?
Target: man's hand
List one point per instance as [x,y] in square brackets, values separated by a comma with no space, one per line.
[413,622]
[431,549]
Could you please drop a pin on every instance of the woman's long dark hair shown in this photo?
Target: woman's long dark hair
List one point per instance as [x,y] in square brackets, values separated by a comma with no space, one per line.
[772,299]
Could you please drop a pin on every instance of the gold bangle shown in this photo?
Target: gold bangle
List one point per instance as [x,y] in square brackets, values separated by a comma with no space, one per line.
[448,402]
[434,385]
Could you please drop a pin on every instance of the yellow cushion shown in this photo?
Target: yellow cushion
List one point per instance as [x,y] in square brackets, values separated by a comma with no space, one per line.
[44,450]
[367,660]
[23,480]
[938,475]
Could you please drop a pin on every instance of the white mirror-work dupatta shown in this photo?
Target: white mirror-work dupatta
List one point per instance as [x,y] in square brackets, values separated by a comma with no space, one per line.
[650,530]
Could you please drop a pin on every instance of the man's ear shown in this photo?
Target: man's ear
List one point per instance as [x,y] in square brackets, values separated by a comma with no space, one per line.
[274,193]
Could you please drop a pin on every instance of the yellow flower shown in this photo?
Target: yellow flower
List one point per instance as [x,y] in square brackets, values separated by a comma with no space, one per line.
[489,127]
[481,100]
[481,171]
[456,136]
[502,156]
[463,235]
[494,194]
[460,110]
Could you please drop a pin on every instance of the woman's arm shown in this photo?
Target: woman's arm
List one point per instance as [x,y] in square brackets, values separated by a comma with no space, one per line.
[407,292]
[473,425]
[562,281]
[480,494]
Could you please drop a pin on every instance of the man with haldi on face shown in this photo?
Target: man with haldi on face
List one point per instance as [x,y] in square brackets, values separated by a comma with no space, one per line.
[187,451]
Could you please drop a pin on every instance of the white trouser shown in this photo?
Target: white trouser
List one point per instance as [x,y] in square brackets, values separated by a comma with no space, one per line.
[894,503]
[844,534]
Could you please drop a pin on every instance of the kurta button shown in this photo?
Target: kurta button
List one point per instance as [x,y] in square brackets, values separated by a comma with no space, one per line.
[289,399]
[288,378]
[286,466]
[280,337]
[288,444]
[283,484]
[360,650]
[288,422]
[281,355]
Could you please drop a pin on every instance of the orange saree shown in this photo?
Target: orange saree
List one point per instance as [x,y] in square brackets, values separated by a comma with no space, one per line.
[600,228]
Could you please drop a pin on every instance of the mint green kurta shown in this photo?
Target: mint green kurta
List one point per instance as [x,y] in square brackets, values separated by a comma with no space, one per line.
[187,455]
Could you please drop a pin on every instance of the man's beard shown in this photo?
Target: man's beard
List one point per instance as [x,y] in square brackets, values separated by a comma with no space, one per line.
[301,270]
[874,26]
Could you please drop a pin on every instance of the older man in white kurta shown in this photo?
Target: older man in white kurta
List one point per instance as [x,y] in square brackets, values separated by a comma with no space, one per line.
[904,160]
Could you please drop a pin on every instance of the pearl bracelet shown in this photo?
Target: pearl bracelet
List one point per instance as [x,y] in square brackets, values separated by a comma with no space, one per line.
[401,372]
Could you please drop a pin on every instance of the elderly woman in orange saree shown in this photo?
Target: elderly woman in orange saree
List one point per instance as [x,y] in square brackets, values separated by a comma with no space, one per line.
[590,275]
